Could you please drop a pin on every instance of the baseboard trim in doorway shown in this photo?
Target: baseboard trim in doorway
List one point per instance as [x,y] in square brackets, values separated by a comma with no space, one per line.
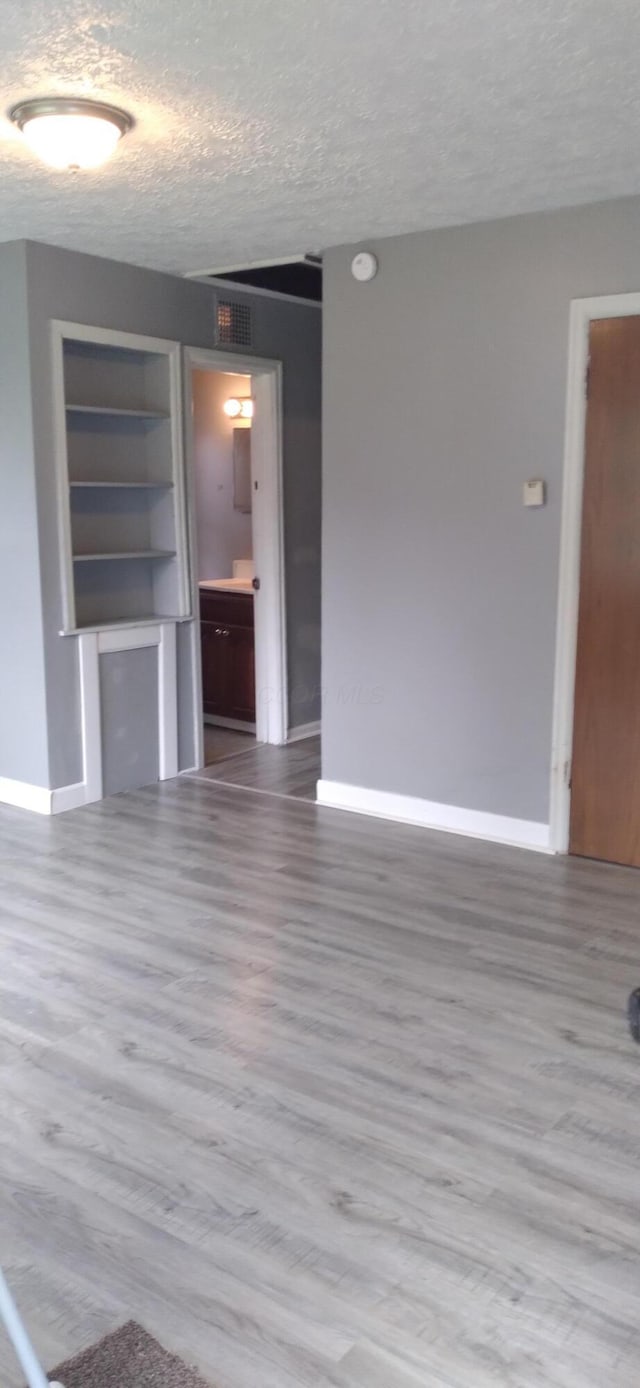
[69,797]
[234,725]
[428,814]
[305,730]
[39,799]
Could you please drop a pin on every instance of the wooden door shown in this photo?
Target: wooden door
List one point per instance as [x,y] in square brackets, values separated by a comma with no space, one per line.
[605,769]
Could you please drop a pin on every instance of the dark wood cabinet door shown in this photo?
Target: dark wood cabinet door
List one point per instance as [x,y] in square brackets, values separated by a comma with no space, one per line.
[215,669]
[242,679]
[228,671]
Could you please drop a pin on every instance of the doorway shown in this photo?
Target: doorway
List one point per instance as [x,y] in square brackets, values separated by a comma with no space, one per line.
[235,471]
[596,789]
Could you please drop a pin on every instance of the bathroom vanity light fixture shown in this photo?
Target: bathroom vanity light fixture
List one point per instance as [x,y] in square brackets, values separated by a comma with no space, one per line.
[239,407]
[71,133]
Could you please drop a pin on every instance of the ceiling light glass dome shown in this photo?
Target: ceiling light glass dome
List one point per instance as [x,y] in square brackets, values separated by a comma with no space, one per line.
[71,133]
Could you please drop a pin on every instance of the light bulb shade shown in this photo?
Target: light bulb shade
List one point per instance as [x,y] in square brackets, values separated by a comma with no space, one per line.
[68,134]
[239,407]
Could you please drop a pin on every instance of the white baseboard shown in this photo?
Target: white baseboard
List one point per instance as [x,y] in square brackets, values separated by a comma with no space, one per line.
[409,809]
[69,797]
[39,799]
[24,796]
[305,730]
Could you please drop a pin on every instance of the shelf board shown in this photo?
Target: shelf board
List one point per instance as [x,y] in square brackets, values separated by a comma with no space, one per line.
[119,622]
[113,410]
[125,554]
[118,486]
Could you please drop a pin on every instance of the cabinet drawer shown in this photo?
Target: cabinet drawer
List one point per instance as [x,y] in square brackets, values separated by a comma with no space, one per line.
[236,608]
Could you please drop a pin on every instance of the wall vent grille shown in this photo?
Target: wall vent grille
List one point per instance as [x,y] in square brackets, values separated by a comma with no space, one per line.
[234,324]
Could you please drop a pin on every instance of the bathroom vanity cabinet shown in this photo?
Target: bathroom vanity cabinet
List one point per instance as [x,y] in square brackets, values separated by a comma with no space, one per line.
[228,667]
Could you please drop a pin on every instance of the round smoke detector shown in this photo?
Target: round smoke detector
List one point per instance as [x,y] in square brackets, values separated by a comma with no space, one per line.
[364,266]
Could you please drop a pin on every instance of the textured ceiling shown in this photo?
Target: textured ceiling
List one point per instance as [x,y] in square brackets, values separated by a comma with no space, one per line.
[266,127]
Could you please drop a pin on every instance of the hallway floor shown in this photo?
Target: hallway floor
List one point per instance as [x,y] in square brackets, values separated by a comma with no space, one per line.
[220,743]
[322,1102]
[290,770]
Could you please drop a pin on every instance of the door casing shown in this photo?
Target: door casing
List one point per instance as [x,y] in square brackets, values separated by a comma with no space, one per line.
[268,539]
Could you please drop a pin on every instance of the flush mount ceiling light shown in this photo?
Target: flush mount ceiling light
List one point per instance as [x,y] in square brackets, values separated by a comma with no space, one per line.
[71,133]
[239,407]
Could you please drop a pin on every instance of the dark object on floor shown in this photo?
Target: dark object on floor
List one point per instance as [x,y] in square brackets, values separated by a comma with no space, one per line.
[128,1358]
[633,1013]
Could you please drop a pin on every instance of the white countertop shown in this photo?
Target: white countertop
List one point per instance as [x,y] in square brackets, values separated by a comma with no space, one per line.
[227,585]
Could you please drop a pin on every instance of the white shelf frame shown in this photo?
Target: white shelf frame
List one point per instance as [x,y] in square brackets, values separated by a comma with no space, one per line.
[120,412]
[160,634]
[62,331]
[105,556]
[122,486]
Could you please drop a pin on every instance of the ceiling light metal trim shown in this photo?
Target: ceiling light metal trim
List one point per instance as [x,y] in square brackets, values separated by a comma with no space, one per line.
[25,111]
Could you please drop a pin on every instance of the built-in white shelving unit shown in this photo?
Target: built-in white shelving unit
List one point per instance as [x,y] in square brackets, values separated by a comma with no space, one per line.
[120,470]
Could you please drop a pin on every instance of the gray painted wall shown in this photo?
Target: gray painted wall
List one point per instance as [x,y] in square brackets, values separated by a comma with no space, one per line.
[223,534]
[130,719]
[444,390]
[23,724]
[85,289]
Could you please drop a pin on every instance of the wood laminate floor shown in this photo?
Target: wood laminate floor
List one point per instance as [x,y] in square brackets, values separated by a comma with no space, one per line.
[221,743]
[316,1099]
[290,770]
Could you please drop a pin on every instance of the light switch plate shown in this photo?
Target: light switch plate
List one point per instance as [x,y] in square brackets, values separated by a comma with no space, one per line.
[534,492]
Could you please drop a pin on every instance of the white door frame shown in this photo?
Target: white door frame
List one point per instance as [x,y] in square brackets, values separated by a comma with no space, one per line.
[583,313]
[272,713]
